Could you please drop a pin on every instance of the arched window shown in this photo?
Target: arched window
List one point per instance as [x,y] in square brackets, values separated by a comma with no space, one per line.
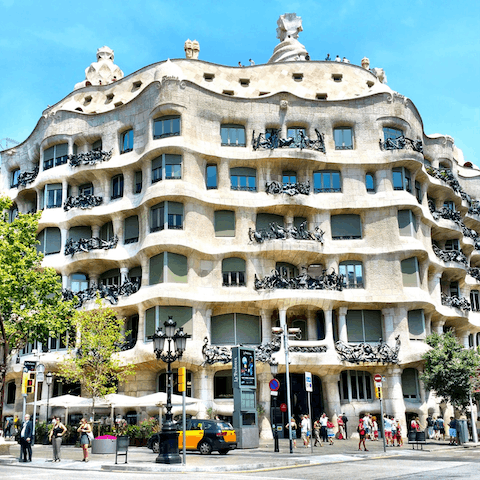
[286,270]
[168,126]
[355,385]
[370,182]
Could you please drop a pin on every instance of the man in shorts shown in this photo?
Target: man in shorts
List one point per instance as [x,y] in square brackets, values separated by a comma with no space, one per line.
[387,426]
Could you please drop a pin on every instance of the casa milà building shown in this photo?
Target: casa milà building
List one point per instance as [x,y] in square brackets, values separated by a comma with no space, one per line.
[300,193]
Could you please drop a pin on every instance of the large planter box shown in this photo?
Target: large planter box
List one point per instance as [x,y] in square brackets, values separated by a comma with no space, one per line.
[104,445]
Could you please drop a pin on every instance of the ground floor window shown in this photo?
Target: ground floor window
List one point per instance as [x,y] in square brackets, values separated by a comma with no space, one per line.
[222,384]
[162,382]
[355,385]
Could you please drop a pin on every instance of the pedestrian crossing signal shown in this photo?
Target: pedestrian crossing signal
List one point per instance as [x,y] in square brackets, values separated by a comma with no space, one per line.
[30,387]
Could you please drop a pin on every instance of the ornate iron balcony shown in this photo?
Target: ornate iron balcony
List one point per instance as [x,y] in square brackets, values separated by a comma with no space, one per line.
[450,255]
[111,292]
[89,158]
[273,141]
[475,273]
[86,244]
[26,177]
[462,303]
[278,232]
[401,143]
[275,280]
[273,188]
[82,201]
[368,352]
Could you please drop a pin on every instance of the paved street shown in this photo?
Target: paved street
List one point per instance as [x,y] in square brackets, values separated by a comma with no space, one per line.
[341,460]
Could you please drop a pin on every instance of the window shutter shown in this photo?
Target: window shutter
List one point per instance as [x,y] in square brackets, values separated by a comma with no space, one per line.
[224,223]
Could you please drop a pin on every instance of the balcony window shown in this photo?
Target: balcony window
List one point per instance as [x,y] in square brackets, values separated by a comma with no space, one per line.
[243,178]
[402,179]
[233,272]
[86,189]
[166,215]
[55,156]
[211,177]
[106,232]
[264,220]
[138,180]
[97,146]
[450,205]
[168,267]
[289,177]
[110,278]
[391,133]
[131,229]
[76,233]
[352,272]
[126,141]
[78,282]
[117,186]
[370,182]
[236,329]
[416,324]
[167,166]
[286,270]
[407,223]
[224,223]
[14,177]
[50,241]
[355,385]
[233,135]
[12,213]
[327,181]
[346,227]
[364,326]
[418,192]
[452,244]
[156,316]
[410,272]
[297,133]
[53,195]
[475,300]
[343,138]
[454,290]
[166,127]
[410,384]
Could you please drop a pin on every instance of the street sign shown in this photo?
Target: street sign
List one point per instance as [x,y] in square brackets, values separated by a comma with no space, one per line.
[274,384]
[377,378]
[283,407]
[274,393]
[308,382]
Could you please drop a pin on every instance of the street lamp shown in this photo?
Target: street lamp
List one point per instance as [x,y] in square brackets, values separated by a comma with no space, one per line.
[274,370]
[286,333]
[168,451]
[49,378]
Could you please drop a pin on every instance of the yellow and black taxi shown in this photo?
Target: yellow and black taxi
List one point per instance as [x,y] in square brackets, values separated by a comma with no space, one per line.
[204,436]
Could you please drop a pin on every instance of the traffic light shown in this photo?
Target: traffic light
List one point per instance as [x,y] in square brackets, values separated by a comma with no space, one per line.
[378,392]
[24,383]
[30,383]
[182,379]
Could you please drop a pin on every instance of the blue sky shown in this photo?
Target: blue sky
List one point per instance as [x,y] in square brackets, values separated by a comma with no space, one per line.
[429,49]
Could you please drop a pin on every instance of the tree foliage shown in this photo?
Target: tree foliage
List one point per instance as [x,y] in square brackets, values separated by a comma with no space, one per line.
[450,369]
[31,304]
[95,362]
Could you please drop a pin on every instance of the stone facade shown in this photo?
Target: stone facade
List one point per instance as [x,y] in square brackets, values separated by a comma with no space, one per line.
[181,185]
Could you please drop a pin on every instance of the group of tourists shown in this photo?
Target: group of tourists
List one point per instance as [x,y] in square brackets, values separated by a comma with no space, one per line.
[368,429]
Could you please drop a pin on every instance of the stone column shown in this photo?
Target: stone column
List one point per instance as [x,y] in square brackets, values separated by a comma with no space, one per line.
[311,325]
[266,316]
[463,336]
[118,228]
[208,323]
[342,324]
[65,281]
[329,329]
[435,287]
[389,336]
[93,280]
[428,323]
[331,395]
[123,275]
[264,400]
[95,231]
[141,324]
[203,385]
[64,191]
[128,179]
[393,396]
[145,263]
[437,326]
[63,240]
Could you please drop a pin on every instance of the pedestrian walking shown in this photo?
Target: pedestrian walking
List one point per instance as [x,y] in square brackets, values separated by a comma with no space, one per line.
[292,425]
[323,427]
[361,433]
[345,421]
[55,436]
[316,432]
[375,428]
[8,427]
[441,427]
[430,424]
[399,435]
[84,429]
[305,428]
[330,432]
[452,431]
[341,430]
[26,438]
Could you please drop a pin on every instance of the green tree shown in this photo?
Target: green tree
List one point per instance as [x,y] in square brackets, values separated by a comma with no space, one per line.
[450,369]
[95,362]
[31,304]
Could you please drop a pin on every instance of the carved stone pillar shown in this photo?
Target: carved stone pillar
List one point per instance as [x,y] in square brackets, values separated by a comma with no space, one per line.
[331,395]
[329,329]
[123,275]
[388,314]
[393,395]
[145,262]
[65,281]
[266,316]
[311,325]
[141,324]
[129,179]
[264,400]
[63,240]
[437,326]
[64,191]
[208,323]
[118,228]
[342,324]
[93,280]
[96,231]
[203,385]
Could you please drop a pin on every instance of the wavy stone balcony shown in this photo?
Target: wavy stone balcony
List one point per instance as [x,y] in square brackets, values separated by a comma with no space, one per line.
[25,178]
[89,158]
[368,352]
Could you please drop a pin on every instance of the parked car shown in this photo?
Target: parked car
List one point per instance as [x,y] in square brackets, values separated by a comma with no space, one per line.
[204,436]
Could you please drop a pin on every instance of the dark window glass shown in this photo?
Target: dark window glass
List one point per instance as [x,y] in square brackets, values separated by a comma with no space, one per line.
[346,227]
[117,186]
[14,176]
[370,182]
[137,187]
[233,272]
[54,195]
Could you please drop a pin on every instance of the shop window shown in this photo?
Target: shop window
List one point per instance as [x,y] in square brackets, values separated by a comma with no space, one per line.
[50,241]
[402,179]
[475,301]
[352,272]
[224,223]
[126,141]
[55,156]
[168,267]
[222,384]
[233,135]
[117,186]
[162,382]
[370,182]
[236,329]
[407,223]
[410,385]
[343,137]
[211,177]
[155,317]
[416,324]
[131,229]
[355,385]
[364,326]
[243,178]
[346,227]
[53,195]
[168,126]
[327,181]
[233,272]
[410,272]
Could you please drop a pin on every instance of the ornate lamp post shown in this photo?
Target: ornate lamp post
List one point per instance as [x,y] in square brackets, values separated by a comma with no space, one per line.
[49,377]
[274,370]
[168,452]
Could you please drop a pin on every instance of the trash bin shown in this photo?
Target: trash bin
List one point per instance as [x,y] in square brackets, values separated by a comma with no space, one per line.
[412,436]
[419,436]
[462,431]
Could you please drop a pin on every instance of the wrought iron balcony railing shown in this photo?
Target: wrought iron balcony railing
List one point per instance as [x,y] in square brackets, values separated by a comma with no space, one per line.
[368,352]
[274,188]
[87,244]
[457,302]
[450,255]
[401,143]
[475,273]
[82,201]
[275,280]
[25,178]
[89,158]
[273,140]
[278,232]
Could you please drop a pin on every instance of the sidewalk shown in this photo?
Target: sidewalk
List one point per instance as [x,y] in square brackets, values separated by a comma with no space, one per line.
[263,457]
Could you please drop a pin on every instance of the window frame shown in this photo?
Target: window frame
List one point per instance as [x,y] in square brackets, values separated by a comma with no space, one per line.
[211,185]
[392,133]
[366,328]
[234,278]
[173,132]
[127,141]
[56,159]
[475,300]
[334,177]
[335,236]
[340,141]
[405,177]
[236,321]
[410,319]
[247,187]
[412,397]
[227,136]
[170,221]
[349,267]
[417,272]
[349,386]
[14,175]
[117,185]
